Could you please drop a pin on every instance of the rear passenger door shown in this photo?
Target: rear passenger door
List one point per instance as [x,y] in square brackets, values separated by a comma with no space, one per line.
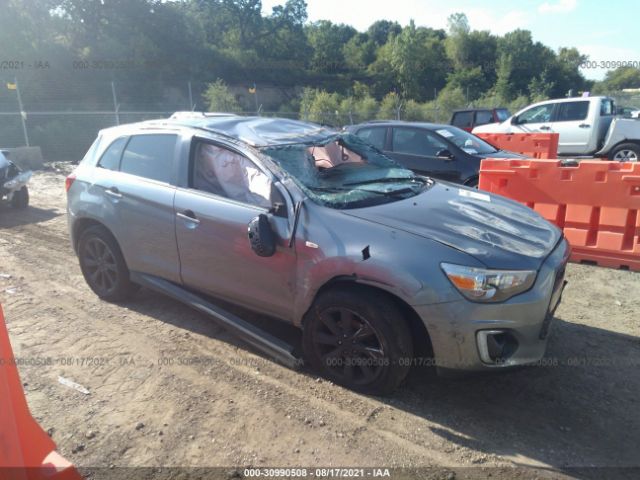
[144,193]
[572,123]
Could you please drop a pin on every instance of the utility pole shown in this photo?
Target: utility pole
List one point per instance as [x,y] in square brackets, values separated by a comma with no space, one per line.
[116,107]
[23,114]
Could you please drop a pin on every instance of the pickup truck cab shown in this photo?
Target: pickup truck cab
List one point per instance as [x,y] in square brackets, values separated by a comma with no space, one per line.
[587,127]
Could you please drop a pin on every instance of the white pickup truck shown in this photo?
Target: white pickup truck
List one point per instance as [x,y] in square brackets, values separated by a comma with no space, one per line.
[587,127]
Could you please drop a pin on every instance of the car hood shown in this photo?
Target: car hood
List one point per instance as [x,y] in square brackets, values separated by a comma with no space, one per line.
[497,231]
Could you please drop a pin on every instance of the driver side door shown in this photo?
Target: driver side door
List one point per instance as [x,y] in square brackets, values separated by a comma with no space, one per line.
[536,119]
[226,190]
[417,149]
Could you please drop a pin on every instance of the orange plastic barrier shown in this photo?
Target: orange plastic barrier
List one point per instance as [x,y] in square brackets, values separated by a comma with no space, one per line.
[26,451]
[596,203]
[534,145]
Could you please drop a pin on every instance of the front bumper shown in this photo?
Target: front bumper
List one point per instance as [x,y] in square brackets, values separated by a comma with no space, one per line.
[9,186]
[459,331]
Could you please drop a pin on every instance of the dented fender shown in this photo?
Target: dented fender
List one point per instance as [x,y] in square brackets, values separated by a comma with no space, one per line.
[337,246]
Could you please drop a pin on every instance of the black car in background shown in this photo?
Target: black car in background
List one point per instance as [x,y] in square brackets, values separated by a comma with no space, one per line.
[440,151]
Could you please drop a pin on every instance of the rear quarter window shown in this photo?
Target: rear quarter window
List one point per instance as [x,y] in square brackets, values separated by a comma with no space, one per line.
[110,159]
[150,156]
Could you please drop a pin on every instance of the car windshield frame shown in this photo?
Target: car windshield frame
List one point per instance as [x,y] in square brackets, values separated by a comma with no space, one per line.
[459,138]
[373,179]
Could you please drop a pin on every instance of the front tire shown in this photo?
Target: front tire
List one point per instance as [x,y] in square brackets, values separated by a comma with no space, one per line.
[358,339]
[20,199]
[103,265]
[627,152]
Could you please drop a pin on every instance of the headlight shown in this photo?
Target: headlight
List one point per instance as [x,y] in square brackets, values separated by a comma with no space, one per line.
[483,285]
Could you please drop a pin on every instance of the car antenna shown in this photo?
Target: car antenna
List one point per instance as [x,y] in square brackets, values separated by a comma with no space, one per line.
[296,218]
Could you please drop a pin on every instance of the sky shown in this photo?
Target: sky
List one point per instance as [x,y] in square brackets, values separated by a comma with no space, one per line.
[604,30]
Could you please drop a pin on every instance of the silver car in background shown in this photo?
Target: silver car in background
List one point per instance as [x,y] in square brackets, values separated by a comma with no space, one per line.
[381,268]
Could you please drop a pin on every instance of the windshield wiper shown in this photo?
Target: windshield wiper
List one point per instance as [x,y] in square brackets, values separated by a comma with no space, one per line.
[387,180]
[386,193]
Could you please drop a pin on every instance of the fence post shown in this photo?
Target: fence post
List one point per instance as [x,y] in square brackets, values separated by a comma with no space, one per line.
[23,114]
[192,106]
[116,107]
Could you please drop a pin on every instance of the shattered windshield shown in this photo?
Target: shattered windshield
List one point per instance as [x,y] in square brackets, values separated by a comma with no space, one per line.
[343,171]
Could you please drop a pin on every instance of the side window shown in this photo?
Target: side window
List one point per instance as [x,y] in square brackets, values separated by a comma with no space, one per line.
[150,156]
[374,136]
[416,142]
[572,111]
[502,114]
[483,117]
[539,114]
[463,119]
[111,157]
[606,108]
[226,173]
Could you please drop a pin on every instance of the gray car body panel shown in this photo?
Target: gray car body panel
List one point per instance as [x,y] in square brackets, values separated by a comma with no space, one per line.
[406,241]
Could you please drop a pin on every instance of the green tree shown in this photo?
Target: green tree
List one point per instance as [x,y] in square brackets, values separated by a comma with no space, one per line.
[380,30]
[325,108]
[615,80]
[450,99]
[327,40]
[390,106]
[219,98]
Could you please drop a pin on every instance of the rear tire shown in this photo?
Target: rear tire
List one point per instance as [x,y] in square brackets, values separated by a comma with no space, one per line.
[103,265]
[627,152]
[358,339]
[20,199]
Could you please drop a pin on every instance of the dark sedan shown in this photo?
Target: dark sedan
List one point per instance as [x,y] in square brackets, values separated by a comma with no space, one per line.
[440,151]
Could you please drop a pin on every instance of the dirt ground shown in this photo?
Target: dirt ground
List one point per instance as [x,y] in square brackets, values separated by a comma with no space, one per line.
[167,387]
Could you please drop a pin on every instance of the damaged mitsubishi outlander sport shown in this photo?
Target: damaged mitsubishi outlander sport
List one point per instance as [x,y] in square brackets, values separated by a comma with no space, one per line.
[375,264]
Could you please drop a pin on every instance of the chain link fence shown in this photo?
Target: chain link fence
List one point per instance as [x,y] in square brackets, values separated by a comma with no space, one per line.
[63,120]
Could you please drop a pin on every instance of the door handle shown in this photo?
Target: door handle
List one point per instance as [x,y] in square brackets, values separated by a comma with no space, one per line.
[113,192]
[584,125]
[544,127]
[189,216]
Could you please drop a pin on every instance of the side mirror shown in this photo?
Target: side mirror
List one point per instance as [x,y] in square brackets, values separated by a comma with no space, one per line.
[261,237]
[514,120]
[444,153]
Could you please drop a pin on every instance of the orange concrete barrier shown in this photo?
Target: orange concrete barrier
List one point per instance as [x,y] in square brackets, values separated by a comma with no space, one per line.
[26,451]
[534,145]
[596,203]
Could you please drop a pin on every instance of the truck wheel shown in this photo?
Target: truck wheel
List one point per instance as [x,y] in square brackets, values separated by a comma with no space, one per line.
[627,152]
[103,265]
[358,339]
[20,198]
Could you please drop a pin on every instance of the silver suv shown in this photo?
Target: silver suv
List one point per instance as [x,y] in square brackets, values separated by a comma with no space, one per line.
[381,268]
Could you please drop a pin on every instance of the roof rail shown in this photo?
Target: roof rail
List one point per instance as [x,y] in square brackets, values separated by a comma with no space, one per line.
[182,115]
